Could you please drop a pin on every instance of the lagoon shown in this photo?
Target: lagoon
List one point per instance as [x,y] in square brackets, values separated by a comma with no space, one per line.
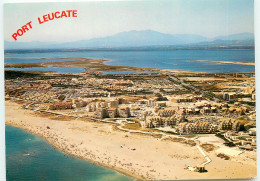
[174,59]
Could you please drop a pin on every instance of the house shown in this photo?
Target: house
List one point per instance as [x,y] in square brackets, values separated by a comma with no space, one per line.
[160,103]
[226,125]
[154,122]
[112,112]
[61,106]
[101,113]
[236,126]
[123,83]
[167,112]
[198,127]
[228,96]
[124,112]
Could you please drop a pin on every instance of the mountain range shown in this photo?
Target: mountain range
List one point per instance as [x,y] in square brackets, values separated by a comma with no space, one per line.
[146,38]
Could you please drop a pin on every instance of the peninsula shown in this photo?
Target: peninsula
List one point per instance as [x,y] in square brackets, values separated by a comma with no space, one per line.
[224,62]
[87,63]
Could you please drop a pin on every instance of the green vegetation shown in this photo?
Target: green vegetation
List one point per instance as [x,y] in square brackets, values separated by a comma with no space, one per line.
[208,147]
[180,140]
[160,97]
[61,97]
[66,86]
[23,65]
[133,126]
[228,143]
[189,136]
[169,132]
[209,95]
[248,103]
[9,74]
[223,156]
[243,95]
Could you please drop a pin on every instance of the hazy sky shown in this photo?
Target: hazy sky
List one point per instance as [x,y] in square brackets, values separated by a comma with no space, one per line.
[208,18]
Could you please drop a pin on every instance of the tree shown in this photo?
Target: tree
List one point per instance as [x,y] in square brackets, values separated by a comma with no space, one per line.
[61,97]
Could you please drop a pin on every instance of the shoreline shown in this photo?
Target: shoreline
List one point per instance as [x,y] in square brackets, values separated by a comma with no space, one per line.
[56,146]
[224,62]
[99,143]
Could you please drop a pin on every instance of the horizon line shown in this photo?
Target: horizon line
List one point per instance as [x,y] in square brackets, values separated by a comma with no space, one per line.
[125,32]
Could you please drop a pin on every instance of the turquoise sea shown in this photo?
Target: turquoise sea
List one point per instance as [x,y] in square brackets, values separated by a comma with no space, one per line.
[31,158]
[174,59]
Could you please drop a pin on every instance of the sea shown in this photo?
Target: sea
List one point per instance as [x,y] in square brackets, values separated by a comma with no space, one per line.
[30,157]
[163,59]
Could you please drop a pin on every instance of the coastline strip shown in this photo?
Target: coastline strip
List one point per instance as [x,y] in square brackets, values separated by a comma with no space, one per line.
[224,62]
[57,147]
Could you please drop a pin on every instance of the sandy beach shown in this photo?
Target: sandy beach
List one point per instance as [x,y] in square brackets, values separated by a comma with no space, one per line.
[136,155]
[224,62]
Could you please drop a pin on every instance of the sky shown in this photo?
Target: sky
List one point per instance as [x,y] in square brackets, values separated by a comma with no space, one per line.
[209,18]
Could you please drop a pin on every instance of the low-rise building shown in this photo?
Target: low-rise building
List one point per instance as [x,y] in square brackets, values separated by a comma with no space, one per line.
[101,113]
[196,128]
[112,112]
[154,122]
[124,112]
[61,106]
